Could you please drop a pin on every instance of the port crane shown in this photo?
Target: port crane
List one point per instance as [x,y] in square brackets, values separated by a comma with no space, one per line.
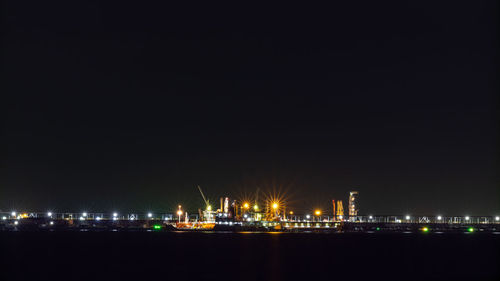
[207,214]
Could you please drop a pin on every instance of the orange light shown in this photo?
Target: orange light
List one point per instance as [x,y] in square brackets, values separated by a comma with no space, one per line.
[291,212]
[246,205]
[317,213]
[275,205]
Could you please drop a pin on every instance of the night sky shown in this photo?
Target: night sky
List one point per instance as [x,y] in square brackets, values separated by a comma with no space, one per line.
[129,106]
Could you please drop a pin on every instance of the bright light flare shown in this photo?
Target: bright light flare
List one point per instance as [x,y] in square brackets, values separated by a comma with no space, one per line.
[150,215]
[246,205]
[407,217]
[275,205]
[317,213]
[49,214]
[439,218]
[425,229]
[467,218]
[497,218]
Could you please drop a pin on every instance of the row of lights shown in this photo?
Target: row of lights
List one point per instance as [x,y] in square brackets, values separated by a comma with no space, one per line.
[179,212]
[408,217]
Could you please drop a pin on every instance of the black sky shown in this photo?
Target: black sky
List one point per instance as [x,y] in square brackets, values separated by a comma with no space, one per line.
[129,106]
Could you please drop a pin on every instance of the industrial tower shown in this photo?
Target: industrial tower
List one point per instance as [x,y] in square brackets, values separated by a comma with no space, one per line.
[353,206]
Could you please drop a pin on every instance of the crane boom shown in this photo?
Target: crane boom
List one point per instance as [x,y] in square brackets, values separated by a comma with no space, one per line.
[203,196]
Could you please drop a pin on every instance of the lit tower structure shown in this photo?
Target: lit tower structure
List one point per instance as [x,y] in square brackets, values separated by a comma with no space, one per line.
[353,206]
[340,210]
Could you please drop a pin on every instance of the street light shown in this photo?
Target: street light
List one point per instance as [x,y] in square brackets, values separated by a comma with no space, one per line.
[407,217]
[150,215]
[49,214]
[246,205]
[179,213]
[467,218]
[439,218]
[497,218]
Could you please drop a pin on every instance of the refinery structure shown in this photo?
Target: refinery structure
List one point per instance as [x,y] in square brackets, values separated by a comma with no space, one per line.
[248,215]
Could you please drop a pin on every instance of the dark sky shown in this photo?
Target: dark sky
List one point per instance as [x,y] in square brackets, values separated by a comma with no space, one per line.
[129,106]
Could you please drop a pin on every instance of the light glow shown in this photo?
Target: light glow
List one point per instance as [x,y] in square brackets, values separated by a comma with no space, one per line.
[246,205]
[317,213]
[497,218]
[439,218]
[84,214]
[49,214]
[407,217]
[467,218]
[150,215]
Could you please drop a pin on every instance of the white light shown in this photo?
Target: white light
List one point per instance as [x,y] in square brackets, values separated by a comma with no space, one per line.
[439,218]
[4,218]
[150,215]
[114,218]
[16,222]
[13,214]
[497,218]
[245,216]
[98,218]
[308,216]
[467,218]
[370,217]
[407,217]
[82,218]
[49,214]
[84,214]
[115,215]
[51,223]
[132,218]
[340,217]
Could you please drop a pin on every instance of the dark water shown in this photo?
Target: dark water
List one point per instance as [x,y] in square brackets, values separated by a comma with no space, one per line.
[247,256]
